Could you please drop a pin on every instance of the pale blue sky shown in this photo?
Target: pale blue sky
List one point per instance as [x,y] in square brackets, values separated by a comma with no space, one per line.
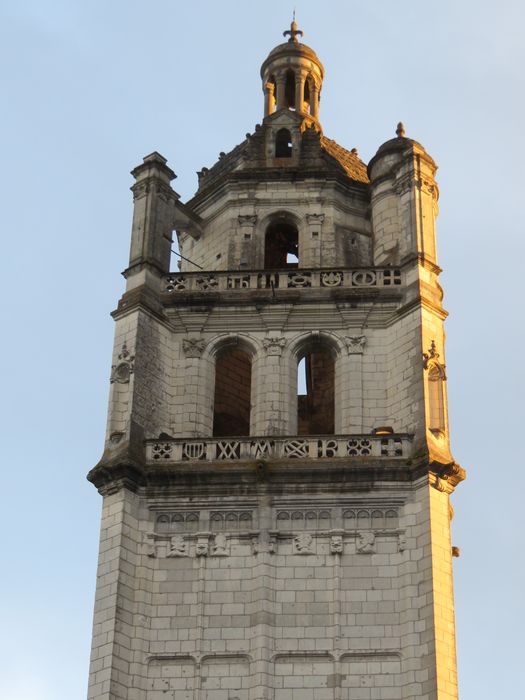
[88,89]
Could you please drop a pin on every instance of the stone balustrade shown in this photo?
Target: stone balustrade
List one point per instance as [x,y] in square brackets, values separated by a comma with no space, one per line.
[328,278]
[266,448]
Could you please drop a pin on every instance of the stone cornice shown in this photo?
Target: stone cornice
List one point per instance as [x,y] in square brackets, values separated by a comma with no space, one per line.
[279,477]
[294,175]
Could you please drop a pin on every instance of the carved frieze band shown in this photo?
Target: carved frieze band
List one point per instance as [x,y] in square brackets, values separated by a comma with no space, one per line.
[177,534]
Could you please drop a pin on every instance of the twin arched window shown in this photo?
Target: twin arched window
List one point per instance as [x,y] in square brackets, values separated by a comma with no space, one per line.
[315,391]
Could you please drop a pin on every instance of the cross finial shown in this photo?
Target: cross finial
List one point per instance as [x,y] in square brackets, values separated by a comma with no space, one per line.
[293,31]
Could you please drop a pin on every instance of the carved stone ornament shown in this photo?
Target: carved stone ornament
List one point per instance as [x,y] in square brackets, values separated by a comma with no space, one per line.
[355,344]
[432,354]
[220,546]
[259,547]
[303,543]
[150,545]
[401,543]
[336,544]
[247,219]
[177,547]
[315,218]
[365,543]
[122,371]
[274,345]
[202,546]
[193,347]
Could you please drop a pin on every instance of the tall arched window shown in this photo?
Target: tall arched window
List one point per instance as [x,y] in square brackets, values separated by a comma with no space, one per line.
[283,144]
[281,245]
[232,403]
[316,391]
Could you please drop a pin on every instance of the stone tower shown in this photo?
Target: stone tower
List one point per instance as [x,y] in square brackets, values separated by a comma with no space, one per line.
[276,473]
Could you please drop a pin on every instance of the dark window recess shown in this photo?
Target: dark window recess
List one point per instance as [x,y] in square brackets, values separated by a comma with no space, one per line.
[233,379]
[289,89]
[316,407]
[283,144]
[281,246]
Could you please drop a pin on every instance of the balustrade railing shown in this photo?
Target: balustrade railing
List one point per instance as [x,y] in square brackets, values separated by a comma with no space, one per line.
[328,278]
[293,447]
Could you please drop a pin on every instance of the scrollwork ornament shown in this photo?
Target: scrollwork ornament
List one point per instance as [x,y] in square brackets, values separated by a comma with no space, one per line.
[247,219]
[274,345]
[193,347]
[355,344]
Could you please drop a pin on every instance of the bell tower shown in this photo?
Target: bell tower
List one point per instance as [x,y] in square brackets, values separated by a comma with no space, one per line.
[276,472]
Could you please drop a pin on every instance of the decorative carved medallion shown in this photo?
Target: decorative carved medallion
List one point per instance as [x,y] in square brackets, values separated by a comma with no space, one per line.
[122,371]
[178,547]
[303,543]
[365,543]
[193,347]
[220,546]
[274,345]
[355,344]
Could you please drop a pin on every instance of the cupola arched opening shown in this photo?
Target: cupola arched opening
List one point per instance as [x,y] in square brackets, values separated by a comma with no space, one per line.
[289,89]
[316,390]
[283,144]
[281,245]
[232,400]
[307,94]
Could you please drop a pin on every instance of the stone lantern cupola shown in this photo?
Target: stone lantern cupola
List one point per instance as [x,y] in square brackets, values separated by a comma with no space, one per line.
[292,77]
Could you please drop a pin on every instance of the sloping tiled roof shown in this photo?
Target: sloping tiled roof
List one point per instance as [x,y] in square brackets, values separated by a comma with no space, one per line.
[352,164]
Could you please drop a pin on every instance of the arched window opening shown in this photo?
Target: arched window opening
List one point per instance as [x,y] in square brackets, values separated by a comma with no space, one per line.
[281,246]
[435,399]
[306,96]
[315,407]
[283,144]
[233,379]
[289,90]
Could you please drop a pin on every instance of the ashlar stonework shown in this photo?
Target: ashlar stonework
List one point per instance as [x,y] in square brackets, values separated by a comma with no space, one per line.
[276,473]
